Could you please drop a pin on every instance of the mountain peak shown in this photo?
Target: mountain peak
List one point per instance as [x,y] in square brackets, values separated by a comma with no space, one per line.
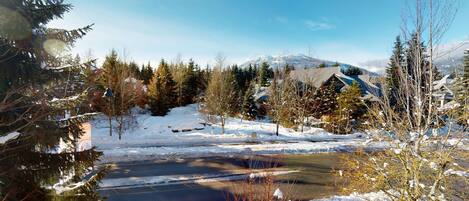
[296,60]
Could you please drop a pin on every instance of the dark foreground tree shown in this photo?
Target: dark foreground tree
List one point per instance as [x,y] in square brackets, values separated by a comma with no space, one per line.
[40,107]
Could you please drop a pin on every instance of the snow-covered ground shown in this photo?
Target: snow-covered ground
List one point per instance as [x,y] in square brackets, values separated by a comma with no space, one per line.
[153,138]
[373,196]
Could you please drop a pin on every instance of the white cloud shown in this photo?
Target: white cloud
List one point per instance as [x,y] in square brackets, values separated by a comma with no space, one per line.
[377,65]
[323,24]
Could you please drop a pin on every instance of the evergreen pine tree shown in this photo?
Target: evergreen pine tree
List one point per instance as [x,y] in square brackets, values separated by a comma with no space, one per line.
[147,74]
[392,72]
[350,109]
[263,74]
[249,109]
[161,90]
[325,100]
[39,107]
[189,83]
[134,70]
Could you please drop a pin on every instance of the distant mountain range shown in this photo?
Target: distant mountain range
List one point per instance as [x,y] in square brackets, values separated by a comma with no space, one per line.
[299,61]
[448,58]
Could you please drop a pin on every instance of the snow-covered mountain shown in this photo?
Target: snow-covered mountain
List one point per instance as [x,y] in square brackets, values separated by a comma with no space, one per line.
[299,61]
[296,60]
[450,57]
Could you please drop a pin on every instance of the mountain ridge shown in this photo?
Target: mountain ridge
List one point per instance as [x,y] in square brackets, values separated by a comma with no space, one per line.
[298,61]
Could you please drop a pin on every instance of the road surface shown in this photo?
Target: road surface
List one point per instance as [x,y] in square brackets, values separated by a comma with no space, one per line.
[181,191]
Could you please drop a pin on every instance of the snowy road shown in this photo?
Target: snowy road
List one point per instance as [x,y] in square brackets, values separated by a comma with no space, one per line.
[177,180]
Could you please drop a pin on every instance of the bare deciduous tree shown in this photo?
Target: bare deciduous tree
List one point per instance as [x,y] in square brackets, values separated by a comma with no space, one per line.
[220,95]
[424,155]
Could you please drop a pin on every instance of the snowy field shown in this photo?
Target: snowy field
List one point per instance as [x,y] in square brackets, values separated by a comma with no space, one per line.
[182,133]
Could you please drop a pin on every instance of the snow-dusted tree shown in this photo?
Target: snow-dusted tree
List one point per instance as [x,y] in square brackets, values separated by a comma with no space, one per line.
[161,90]
[249,107]
[325,100]
[220,95]
[263,74]
[424,148]
[39,107]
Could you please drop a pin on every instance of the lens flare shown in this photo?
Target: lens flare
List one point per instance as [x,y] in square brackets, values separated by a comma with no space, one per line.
[13,25]
[55,47]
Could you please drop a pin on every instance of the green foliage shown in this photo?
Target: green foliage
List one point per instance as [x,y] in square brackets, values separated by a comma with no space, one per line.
[189,84]
[325,100]
[263,74]
[349,111]
[351,71]
[146,73]
[392,72]
[322,65]
[161,90]
[249,108]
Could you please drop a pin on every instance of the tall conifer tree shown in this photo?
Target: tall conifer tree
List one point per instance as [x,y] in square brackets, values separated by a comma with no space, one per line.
[38,107]
[392,72]
[263,74]
[161,90]
[249,108]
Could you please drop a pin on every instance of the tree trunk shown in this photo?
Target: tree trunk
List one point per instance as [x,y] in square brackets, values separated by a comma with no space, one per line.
[222,125]
[110,117]
[276,130]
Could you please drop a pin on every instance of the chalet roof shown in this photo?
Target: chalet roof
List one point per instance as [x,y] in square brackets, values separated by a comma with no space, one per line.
[317,76]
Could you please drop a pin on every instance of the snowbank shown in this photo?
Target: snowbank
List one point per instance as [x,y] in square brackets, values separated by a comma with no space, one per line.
[373,196]
[184,131]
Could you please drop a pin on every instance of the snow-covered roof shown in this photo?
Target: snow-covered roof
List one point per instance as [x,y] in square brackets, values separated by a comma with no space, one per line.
[315,76]
[446,80]
[318,76]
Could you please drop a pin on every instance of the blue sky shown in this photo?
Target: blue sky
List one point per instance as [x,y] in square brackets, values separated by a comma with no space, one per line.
[351,31]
